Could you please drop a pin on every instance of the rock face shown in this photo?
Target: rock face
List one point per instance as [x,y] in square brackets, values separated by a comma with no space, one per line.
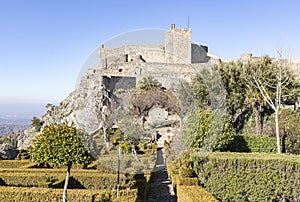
[82,106]
[122,68]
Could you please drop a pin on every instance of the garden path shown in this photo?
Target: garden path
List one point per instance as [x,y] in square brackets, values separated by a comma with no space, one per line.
[160,187]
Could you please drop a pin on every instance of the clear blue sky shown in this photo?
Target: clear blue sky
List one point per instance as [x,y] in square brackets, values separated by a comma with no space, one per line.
[44,43]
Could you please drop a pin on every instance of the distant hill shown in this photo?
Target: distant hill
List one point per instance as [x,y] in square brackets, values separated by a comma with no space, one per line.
[10,126]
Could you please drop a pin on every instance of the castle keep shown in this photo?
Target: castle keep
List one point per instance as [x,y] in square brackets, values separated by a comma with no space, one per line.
[178,58]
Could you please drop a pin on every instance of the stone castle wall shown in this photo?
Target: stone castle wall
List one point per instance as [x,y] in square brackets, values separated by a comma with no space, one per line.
[177,59]
[166,73]
[149,53]
[178,49]
[293,63]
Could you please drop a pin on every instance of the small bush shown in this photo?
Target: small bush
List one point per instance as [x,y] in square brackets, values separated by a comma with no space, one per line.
[194,194]
[104,197]
[23,154]
[187,181]
[37,124]
[186,172]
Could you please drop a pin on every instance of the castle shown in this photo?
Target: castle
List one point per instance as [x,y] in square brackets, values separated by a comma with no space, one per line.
[178,58]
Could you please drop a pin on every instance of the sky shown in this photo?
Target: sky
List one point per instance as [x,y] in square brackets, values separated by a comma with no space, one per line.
[43,44]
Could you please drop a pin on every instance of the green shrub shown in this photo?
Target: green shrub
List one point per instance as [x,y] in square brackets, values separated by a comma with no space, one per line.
[12,194]
[126,147]
[13,163]
[142,185]
[194,194]
[102,168]
[289,129]
[253,143]
[104,196]
[208,129]
[23,154]
[53,171]
[249,177]
[37,124]
[78,180]
[100,181]
[187,188]
[29,179]
[187,181]
[186,172]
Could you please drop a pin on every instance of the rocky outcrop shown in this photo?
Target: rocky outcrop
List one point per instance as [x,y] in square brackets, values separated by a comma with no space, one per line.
[82,107]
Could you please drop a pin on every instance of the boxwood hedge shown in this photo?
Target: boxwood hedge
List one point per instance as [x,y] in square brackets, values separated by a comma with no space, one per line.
[12,194]
[249,176]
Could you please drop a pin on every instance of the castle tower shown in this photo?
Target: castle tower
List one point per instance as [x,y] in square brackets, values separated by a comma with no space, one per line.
[178,45]
[102,63]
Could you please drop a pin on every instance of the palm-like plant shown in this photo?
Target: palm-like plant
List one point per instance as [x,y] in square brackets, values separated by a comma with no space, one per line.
[149,83]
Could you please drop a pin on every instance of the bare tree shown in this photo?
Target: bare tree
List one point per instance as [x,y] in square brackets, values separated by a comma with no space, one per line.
[274,81]
[142,101]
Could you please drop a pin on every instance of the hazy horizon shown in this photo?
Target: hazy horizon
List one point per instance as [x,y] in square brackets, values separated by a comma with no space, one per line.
[21,110]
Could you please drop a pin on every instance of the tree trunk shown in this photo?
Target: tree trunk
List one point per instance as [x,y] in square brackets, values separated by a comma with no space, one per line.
[277,130]
[104,133]
[257,120]
[134,154]
[106,141]
[261,110]
[142,121]
[119,168]
[181,123]
[66,183]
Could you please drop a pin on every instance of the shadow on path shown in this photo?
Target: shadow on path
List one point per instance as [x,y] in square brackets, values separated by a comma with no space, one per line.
[160,187]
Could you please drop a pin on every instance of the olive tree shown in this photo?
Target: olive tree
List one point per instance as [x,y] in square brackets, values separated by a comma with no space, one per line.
[60,145]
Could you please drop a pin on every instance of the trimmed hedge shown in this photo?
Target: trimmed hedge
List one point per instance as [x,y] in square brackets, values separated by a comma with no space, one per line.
[186,181]
[28,179]
[194,194]
[47,170]
[56,180]
[142,184]
[12,194]
[14,163]
[187,189]
[253,143]
[107,164]
[95,181]
[249,177]
[80,179]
